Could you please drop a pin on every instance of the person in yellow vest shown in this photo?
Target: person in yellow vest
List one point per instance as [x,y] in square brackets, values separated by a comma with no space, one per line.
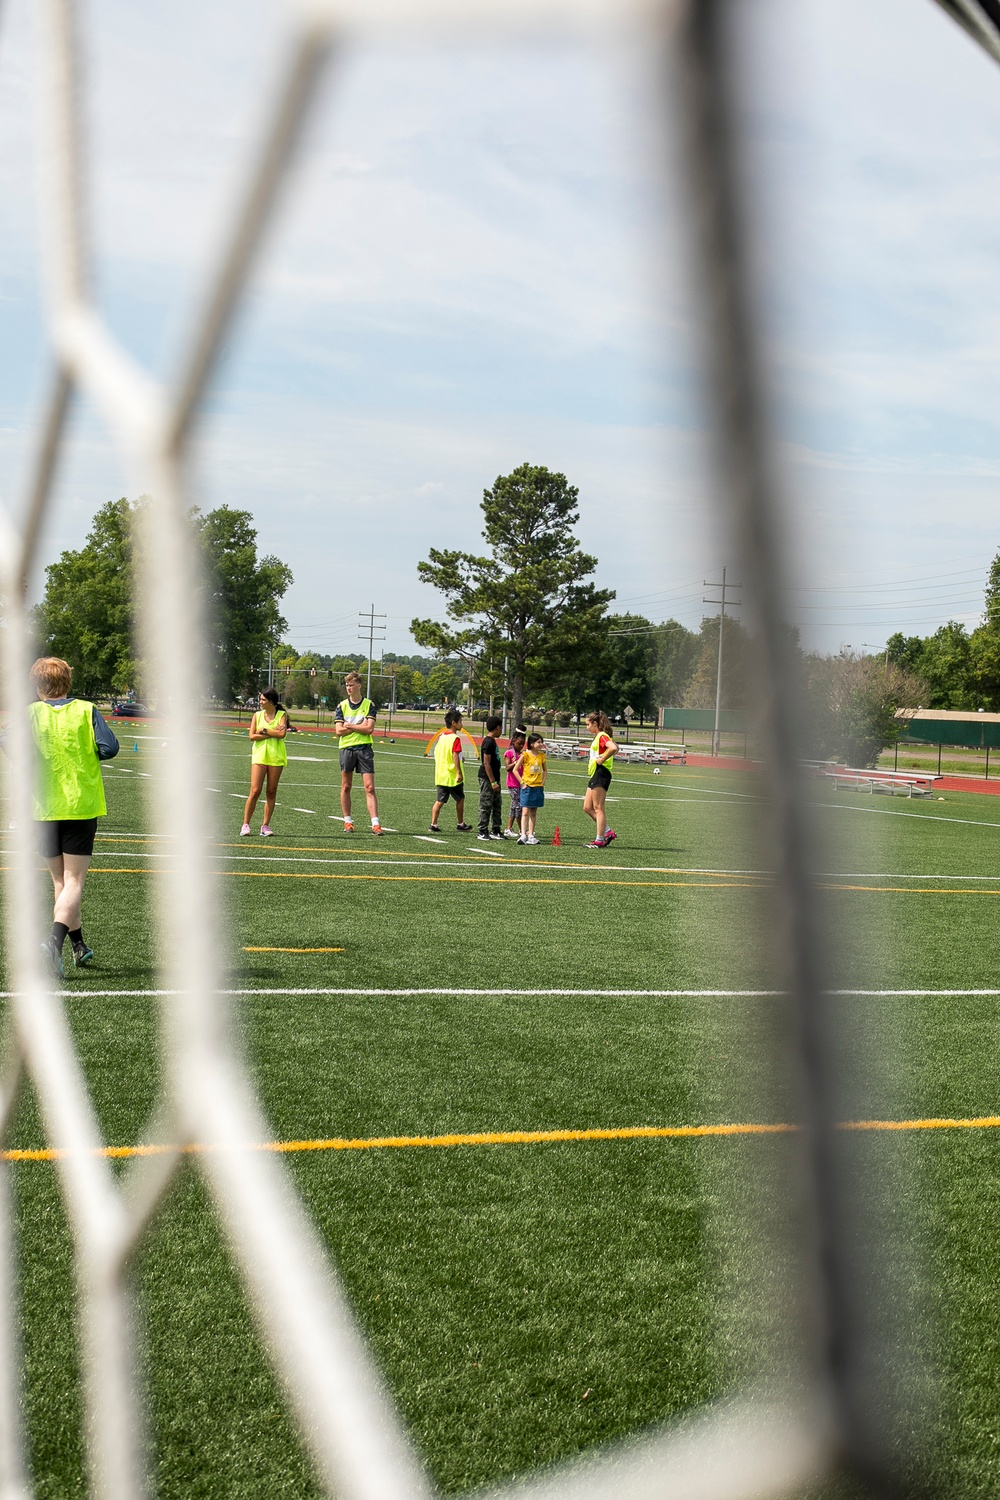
[71,739]
[268,759]
[602,754]
[354,724]
[449,779]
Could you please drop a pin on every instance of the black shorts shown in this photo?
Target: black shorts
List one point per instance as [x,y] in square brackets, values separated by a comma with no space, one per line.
[67,836]
[601,778]
[358,758]
[456,793]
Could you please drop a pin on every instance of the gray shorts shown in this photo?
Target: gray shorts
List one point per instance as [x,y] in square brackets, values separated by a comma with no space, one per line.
[358,758]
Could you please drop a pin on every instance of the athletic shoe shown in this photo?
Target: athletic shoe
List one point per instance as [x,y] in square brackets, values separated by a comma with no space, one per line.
[52,953]
[522,839]
[377,830]
[266,831]
[82,955]
[531,839]
[245,830]
[509,833]
[483,837]
[463,827]
[348,826]
[610,835]
[434,828]
[497,836]
[597,844]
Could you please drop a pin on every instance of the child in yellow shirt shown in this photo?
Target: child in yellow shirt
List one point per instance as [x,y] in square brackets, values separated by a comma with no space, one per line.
[530,772]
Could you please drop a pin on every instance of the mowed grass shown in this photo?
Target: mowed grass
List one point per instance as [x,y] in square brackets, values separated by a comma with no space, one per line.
[527,1301]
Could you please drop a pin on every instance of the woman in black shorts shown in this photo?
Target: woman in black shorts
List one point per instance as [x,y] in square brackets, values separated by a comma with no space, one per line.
[602,754]
[71,739]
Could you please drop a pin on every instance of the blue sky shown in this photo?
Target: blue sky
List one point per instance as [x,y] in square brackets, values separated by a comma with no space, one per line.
[478,262]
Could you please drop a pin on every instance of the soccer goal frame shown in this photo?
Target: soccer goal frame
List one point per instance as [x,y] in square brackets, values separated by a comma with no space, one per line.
[347,1420]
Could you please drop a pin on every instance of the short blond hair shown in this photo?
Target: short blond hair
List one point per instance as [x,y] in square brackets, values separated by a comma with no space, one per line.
[352,677]
[52,676]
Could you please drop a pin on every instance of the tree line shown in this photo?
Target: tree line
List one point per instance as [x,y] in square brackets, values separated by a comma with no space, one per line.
[524,623]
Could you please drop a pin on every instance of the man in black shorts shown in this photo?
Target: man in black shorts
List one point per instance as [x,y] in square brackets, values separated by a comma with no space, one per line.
[71,739]
[354,725]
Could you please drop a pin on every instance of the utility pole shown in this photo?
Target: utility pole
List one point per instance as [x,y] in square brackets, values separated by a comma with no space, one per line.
[369,617]
[735,604]
[270,666]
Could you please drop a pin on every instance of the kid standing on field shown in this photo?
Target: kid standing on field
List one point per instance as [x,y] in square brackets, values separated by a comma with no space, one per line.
[531,771]
[490,795]
[510,758]
[449,780]
[602,755]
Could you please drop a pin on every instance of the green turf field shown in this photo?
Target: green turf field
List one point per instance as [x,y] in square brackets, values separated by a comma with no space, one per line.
[528,1299]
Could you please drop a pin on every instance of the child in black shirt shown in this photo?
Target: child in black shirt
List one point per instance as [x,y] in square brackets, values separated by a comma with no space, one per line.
[490,795]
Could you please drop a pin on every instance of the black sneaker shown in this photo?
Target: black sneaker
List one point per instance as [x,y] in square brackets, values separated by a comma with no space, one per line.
[52,953]
[464,827]
[497,836]
[82,955]
[482,837]
[434,828]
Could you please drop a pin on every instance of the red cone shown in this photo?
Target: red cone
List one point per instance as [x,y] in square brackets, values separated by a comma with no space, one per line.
[556,840]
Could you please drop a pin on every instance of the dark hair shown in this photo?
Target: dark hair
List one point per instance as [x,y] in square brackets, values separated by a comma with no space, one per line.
[600,719]
[493,723]
[451,716]
[518,734]
[271,695]
[535,739]
[520,729]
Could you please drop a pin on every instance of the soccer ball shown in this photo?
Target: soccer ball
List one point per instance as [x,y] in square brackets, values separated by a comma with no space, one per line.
[656,772]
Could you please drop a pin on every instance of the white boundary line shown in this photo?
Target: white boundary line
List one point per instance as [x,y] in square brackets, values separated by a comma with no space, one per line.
[80,991]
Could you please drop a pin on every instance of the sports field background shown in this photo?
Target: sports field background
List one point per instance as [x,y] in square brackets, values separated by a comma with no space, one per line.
[527,1299]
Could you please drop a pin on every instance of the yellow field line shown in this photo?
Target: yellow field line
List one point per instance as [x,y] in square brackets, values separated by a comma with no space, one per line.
[513,1138]
[294,950]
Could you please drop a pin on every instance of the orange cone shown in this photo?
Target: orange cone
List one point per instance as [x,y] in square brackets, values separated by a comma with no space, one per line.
[556,840]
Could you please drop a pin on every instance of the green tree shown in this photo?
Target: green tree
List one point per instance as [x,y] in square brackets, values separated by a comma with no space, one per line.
[627,670]
[419,685]
[529,599]
[852,703]
[443,683]
[678,652]
[701,687]
[244,594]
[86,615]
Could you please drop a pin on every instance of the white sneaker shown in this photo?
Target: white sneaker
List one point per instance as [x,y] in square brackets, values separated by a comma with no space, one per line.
[522,839]
[509,833]
[531,839]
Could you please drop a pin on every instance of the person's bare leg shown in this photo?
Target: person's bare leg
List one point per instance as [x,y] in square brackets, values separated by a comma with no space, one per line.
[460,810]
[346,779]
[588,803]
[436,813]
[273,777]
[370,797]
[600,816]
[256,783]
[57,871]
[70,898]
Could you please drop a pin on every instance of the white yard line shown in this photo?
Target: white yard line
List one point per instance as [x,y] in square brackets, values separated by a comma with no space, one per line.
[493,853]
[310,810]
[428,838]
[82,991]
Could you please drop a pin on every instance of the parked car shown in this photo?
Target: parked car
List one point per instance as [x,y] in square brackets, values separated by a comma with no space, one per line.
[129,711]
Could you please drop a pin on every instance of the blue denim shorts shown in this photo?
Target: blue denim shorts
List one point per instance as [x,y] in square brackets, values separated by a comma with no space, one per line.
[532,796]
